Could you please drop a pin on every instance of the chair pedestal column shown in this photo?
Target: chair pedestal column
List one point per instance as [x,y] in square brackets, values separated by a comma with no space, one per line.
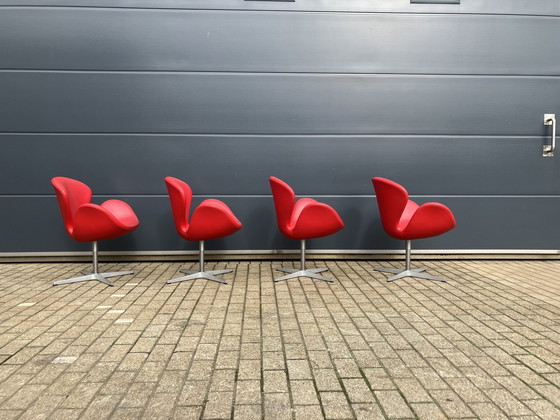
[302,272]
[409,272]
[95,274]
[201,273]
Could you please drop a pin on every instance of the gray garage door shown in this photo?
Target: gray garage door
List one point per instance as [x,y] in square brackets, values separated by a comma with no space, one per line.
[447,99]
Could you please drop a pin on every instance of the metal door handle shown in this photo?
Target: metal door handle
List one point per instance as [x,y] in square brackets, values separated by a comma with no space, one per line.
[548,149]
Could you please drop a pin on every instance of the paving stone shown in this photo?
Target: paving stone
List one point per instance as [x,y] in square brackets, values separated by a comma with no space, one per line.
[137,395]
[369,411]
[118,383]
[298,369]
[488,411]
[326,380]
[518,388]
[451,403]
[507,402]
[379,379]
[277,406]
[247,412]
[180,360]
[347,368]
[335,405]
[275,381]
[550,392]
[24,397]
[303,393]
[249,369]
[70,414]
[187,413]
[466,390]
[194,393]
[358,391]
[544,409]
[171,381]
[308,412]
[101,406]
[219,405]
[428,411]
[393,404]
[128,413]
[227,360]
[223,380]
[65,383]
[248,392]
[412,390]
[273,360]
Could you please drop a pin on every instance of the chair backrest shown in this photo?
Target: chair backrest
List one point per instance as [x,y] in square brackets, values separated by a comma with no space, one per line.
[392,199]
[180,194]
[284,199]
[71,194]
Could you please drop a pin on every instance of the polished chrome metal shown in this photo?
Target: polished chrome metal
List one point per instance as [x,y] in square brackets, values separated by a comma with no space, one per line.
[548,149]
[201,274]
[408,247]
[408,272]
[95,274]
[302,272]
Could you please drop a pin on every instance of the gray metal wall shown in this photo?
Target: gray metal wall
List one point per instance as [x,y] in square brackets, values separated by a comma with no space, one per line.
[446,99]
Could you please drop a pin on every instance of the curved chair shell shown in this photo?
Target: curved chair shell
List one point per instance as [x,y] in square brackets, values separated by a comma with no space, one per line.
[210,220]
[302,219]
[88,222]
[305,218]
[404,219]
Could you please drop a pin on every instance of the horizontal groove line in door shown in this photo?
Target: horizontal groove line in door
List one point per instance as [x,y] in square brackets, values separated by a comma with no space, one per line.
[285,73]
[449,136]
[288,7]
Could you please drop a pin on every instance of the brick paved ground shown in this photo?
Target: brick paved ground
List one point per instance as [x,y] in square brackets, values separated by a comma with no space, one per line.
[484,345]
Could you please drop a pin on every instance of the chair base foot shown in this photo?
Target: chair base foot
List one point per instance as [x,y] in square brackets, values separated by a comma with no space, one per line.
[311,273]
[193,275]
[88,275]
[415,272]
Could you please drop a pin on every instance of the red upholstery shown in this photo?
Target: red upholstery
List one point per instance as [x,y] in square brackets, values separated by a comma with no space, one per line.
[404,219]
[88,222]
[304,218]
[211,219]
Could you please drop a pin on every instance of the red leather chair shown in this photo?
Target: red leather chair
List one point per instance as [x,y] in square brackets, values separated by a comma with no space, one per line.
[88,222]
[302,219]
[211,219]
[404,219]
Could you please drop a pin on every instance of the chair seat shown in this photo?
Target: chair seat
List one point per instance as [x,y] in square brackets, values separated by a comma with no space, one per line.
[210,220]
[123,213]
[100,222]
[311,219]
[426,221]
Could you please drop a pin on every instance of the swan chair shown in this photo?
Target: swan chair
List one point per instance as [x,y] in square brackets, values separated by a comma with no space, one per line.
[88,222]
[210,220]
[300,220]
[404,219]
